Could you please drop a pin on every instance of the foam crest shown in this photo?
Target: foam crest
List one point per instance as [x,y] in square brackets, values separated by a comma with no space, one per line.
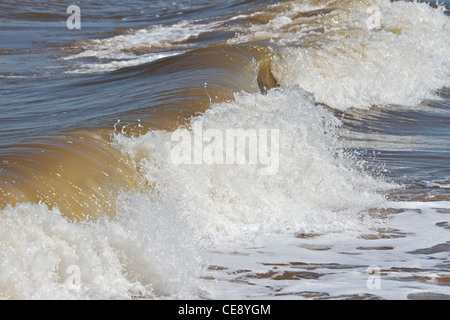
[119,64]
[356,53]
[146,251]
[317,187]
[403,62]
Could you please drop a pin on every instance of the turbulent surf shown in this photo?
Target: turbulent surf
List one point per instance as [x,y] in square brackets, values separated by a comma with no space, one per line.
[347,101]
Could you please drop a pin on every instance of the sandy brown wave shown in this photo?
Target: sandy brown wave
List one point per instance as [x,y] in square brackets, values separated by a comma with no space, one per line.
[81,173]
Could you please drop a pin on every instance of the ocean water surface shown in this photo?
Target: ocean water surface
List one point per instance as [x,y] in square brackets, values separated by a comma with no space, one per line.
[351,99]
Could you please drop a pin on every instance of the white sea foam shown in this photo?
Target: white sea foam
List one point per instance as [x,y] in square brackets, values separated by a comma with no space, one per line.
[154,37]
[119,64]
[344,64]
[338,266]
[317,188]
[151,249]
[146,251]
[138,46]
[403,63]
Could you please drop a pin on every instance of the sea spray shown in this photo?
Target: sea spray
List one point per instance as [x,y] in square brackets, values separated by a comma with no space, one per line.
[316,189]
[147,251]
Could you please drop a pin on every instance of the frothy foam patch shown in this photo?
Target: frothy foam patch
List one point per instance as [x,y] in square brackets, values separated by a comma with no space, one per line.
[357,53]
[317,187]
[146,251]
[138,46]
[402,63]
[115,65]
[399,261]
[284,28]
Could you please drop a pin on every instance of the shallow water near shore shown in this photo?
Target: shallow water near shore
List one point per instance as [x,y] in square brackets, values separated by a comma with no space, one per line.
[94,207]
